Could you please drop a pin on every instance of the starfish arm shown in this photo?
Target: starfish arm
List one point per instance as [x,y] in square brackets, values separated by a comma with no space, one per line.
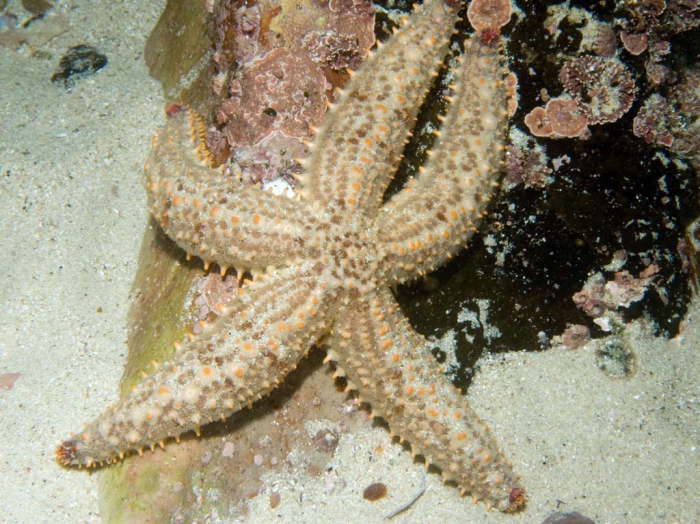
[218,218]
[356,152]
[233,362]
[433,217]
[394,370]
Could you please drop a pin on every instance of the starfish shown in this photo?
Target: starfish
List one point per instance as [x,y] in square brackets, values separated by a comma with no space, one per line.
[324,262]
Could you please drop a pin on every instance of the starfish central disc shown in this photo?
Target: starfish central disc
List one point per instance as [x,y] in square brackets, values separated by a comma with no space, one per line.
[356,261]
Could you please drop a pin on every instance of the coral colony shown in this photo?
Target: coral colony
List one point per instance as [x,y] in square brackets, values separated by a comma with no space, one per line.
[601,169]
[324,261]
[588,81]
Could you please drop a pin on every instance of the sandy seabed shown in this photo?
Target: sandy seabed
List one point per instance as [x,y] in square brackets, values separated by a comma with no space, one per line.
[73,214]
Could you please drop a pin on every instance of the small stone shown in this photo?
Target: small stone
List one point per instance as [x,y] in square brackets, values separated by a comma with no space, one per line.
[573,517]
[228,450]
[576,336]
[7,21]
[7,380]
[81,60]
[374,492]
[37,7]
[326,440]
[275,499]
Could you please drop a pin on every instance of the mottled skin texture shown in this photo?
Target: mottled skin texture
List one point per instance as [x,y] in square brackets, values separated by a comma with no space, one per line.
[325,262]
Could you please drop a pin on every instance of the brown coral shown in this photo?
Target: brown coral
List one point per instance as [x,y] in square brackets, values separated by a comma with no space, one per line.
[575,337]
[635,43]
[590,298]
[651,121]
[526,163]
[681,15]
[674,121]
[602,87]
[335,35]
[599,295]
[538,123]
[605,41]
[566,117]
[488,14]
[650,23]
[559,118]
[602,90]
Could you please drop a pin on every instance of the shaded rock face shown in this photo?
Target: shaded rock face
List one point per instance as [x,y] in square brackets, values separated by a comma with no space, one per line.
[570,206]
